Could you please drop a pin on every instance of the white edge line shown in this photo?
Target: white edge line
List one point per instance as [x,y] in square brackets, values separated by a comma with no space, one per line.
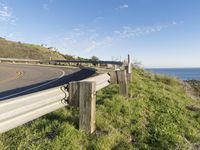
[15,94]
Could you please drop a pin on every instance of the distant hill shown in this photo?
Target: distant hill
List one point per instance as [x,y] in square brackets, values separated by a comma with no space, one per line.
[10,49]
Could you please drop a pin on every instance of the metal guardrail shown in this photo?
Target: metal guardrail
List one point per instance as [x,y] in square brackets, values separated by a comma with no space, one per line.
[102,81]
[17,111]
[87,61]
[60,61]
[18,60]
[20,110]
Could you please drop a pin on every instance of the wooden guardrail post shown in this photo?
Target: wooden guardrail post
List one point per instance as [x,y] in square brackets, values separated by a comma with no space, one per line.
[82,94]
[128,69]
[122,81]
[113,77]
[129,75]
[87,106]
[73,94]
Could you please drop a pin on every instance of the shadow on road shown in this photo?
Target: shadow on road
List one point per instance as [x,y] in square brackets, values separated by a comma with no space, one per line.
[79,75]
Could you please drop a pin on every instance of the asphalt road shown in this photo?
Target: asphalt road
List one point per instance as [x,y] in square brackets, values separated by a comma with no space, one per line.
[18,79]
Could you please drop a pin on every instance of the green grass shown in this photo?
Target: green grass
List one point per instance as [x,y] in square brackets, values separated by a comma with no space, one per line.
[9,49]
[158,115]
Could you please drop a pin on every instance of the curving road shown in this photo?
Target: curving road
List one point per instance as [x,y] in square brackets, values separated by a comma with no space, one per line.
[18,79]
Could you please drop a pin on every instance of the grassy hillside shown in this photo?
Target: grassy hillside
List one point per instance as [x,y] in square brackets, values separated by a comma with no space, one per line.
[158,115]
[9,49]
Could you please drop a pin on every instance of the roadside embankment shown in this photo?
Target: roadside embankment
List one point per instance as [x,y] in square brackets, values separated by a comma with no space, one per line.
[158,114]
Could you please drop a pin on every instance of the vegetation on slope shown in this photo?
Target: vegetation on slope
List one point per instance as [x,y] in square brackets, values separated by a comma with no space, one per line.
[9,49]
[158,115]
[195,85]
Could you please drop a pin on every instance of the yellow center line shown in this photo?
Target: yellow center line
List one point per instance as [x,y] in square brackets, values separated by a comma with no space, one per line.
[16,76]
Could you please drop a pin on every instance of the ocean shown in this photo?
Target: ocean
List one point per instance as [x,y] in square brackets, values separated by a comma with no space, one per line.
[182,73]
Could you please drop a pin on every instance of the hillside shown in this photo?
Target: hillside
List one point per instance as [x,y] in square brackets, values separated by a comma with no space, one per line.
[158,115]
[9,49]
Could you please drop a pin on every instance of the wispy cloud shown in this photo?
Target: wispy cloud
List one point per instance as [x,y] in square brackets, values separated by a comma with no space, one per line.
[127,31]
[80,39]
[174,23]
[97,19]
[7,22]
[6,15]
[123,6]
[46,5]
[12,35]
[9,34]
[99,43]
[87,40]
[5,12]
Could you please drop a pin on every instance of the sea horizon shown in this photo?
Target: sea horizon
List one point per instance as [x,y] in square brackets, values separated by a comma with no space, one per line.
[171,67]
[182,73]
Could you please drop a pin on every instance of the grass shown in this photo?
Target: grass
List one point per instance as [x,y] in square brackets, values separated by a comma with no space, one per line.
[157,115]
[9,49]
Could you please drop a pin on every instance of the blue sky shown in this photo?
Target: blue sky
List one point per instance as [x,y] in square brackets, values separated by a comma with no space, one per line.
[158,33]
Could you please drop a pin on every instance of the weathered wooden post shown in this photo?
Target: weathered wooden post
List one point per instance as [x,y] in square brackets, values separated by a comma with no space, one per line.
[82,94]
[122,81]
[113,77]
[129,69]
[129,63]
[73,93]
[87,106]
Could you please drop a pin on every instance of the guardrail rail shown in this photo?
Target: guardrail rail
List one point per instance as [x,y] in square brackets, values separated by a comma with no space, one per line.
[14,60]
[87,62]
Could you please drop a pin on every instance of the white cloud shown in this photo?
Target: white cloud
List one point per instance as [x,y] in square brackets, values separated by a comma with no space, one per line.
[5,12]
[127,31]
[96,43]
[87,40]
[46,5]
[9,34]
[7,22]
[123,6]
[97,19]
[80,39]
[6,15]
[12,35]
[174,22]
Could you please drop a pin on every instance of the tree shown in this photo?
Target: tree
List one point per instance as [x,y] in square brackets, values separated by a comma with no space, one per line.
[94,58]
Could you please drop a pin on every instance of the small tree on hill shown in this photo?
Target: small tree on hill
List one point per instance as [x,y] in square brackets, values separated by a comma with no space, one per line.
[94,58]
